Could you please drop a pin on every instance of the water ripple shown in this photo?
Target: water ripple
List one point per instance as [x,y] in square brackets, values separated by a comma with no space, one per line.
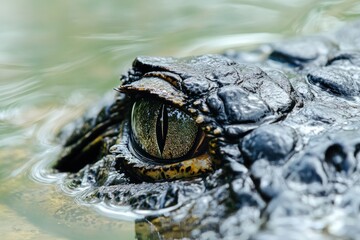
[68,66]
[219,43]
[114,37]
[17,86]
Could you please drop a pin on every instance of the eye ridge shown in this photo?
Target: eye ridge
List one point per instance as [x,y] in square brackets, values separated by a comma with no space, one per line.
[162,128]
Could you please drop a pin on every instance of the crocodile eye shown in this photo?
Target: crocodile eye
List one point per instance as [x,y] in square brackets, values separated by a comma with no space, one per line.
[163,132]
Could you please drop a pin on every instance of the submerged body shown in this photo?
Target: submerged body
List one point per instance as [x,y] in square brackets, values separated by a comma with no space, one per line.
[246,144]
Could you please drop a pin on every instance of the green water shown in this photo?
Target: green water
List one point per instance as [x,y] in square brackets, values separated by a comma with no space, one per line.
[59,57]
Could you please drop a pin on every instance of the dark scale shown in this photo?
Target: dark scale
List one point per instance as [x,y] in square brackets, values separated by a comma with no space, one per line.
[234,149]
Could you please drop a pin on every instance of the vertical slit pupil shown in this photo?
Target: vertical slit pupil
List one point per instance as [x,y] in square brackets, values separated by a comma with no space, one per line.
[162,127]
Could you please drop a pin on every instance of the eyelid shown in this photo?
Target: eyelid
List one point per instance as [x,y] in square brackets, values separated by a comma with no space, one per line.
[188,168]
[157,87]
[169,77]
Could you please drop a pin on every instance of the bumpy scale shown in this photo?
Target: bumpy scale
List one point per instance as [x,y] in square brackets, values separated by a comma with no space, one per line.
[282,143]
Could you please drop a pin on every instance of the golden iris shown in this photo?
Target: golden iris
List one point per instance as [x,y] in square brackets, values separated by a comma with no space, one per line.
[164,132]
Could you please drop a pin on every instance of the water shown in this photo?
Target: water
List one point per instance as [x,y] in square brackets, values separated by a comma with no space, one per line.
[59,57]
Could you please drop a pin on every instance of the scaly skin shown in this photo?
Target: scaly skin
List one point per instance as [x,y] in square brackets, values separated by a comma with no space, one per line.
[282,124]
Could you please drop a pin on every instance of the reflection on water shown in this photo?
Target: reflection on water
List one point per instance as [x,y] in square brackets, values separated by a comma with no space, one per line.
[56,59]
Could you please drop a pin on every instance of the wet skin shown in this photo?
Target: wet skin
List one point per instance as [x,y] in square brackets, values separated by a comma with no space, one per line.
[229,145]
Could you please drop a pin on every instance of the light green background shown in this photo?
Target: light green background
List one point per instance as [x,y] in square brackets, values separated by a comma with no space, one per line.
[58,57]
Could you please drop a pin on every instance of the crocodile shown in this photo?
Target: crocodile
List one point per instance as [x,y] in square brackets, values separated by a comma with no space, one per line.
[249,144]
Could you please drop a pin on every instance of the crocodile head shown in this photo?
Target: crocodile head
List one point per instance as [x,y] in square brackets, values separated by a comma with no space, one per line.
[217,146]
